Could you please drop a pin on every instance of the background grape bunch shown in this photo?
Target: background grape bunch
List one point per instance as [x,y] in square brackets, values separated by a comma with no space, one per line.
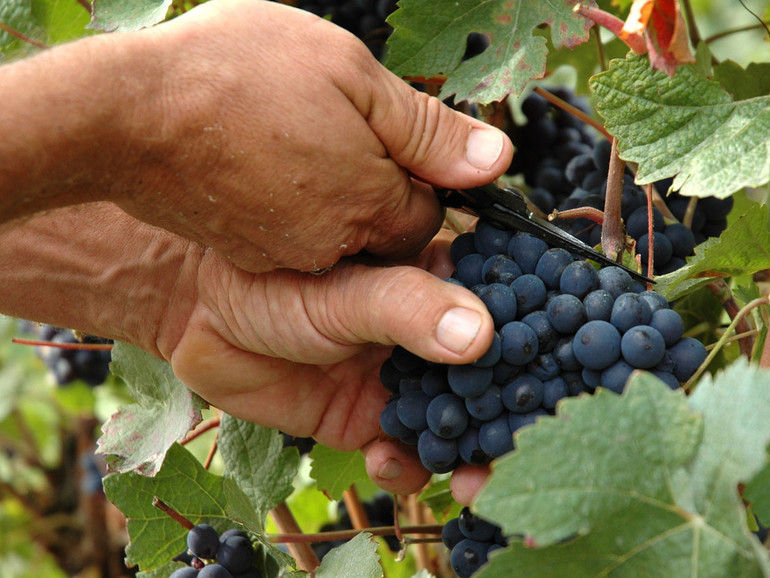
[562,328]
[470,539]
[211,555]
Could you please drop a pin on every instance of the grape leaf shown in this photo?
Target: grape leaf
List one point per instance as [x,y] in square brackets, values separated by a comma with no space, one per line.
[742,249]
[742,83]
[429,39]
[63,20]
[336,471]
[18,16]
[255,458]
[438,497]
[121,16]
[685,126]
[356,558]
[137,436]
[650,488]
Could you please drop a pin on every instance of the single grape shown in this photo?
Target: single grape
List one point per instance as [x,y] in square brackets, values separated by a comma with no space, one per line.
[566,313]
[438,455]
[236,554]
[495,437]
[462,246]
[636,224]
[543,367]
[469,269]
[446,416]
[451,534]
[523,394]
[486,406]
[469,381]
[500,301]
[526,249]
[491,240]
[662,249]
[411,408]
[203,541]
[655,300]
[682,239]
[214,571]
[406,361]
[616,375]
[642,346]
[519,343]
[547,336]
[530,293]
[551,265]
[596,345]
[579,278]
[390,375]
[670,325]
[476,528]
[615,281]
[492,355]
[598,305]
[629,310]
[500,269]
[554,390]
[391,424]
[434,382]
[186,572]
[688,354]
[467,557]
[564,356]
[469,448]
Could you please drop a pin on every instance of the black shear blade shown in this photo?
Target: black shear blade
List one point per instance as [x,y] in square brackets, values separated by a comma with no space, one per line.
[507,209]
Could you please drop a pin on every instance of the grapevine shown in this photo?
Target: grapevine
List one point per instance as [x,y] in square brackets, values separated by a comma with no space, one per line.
[647,142]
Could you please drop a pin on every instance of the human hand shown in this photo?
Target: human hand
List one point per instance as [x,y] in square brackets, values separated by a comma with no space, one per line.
[301,352]
[275,137]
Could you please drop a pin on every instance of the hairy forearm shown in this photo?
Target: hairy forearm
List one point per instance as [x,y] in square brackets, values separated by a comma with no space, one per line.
[95,269]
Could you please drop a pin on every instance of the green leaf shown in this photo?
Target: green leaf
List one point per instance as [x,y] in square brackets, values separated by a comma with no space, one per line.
[356,558]
[742,83]
[17,14]
[121,16]
[255,458]
[336,471]
[430,37]
[685,126]
[742,249]
[646,484]
[183,484]
[438,497]
[63,20]
[137,436]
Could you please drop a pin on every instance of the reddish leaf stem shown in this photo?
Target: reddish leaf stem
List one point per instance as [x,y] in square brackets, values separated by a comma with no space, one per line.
[202,428]
[650,236]
[21,36]
[358,517]
[573,110]
[721,290]
[300,549]
[300,538]
[172,513]
[211,454]
[613,24]
[591,213]
[612,229]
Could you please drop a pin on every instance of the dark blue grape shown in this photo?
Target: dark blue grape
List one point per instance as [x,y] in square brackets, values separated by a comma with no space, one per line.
[551,265]
[543,367]
[390,375]
[469,381]
[236,554]
[715,208]
[203,541]
[591,377]
[655,300]
[438,455]
[602,152]
[579,278]
[462,246]
[411,408]
[662,249]
[214,571]
[450,533]
[519,420]
[597,345]
[615,281]
[530,293]
[435,382]
[598,305]
[469,448]
[578,168]
[535,107]
[636,224]
[503,372]
[574,381]
[491,240]
[476,528]
[616,375]
[446,416]
[526,249]
[390,423]
[410,383]
[495,437]
[406,361]
[688,354]
[564,357]
[566,313]
[486,406]
[629,310]
[682,239]
[523,394]
[542,199]
[642,346]
[232,532]
[668,378]
[500,301]
[493,354]
[547,336]
[670,325]
[467,557]
[500,269]
[554,390]
[519,343]
[469,269]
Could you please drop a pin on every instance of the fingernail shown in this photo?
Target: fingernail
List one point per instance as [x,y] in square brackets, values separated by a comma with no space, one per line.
[458,328]
[390,470]
[483,147]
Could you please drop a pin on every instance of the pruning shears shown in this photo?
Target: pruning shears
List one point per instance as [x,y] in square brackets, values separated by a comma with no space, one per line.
[507,209]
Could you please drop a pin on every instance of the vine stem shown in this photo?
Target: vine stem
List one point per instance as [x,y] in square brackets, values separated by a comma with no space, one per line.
[650,236]
[591,213]
[721,291]
[722,340]
[79,346]
[300,538]
[300,549]
[612,229]
[355,508]
[172,513]
[201,429]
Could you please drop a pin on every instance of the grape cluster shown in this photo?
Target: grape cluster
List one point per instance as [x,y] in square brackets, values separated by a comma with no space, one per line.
[566,168]
[379,512]
[68,365]
[562,328]
[303,445]
[470,540]
[211,555]
[364,18]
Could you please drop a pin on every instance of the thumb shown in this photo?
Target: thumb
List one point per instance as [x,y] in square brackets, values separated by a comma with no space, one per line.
[434,142]
[403,305]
